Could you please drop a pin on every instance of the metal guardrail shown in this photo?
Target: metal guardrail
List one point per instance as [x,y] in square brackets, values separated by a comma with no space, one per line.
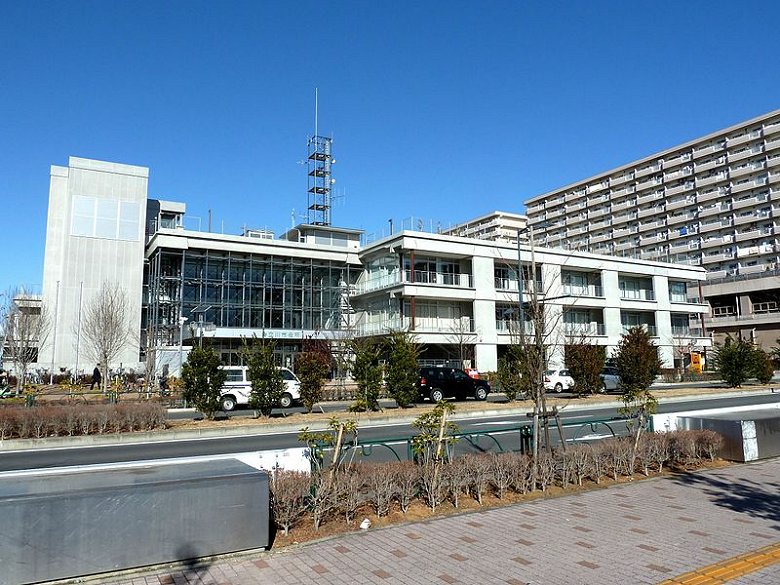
[474,438]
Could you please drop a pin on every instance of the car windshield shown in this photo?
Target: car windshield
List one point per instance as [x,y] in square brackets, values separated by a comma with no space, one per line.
[288,375]
[549,372]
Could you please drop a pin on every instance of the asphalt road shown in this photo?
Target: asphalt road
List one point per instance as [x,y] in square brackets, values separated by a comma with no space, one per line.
[575,421]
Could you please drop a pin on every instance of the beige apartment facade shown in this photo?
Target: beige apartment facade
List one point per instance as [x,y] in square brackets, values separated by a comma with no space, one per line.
[712,202]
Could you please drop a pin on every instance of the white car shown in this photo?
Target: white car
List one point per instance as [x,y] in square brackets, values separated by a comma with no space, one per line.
[558,380]
[237,388]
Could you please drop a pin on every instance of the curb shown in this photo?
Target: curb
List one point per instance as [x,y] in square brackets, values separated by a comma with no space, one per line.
[280,428]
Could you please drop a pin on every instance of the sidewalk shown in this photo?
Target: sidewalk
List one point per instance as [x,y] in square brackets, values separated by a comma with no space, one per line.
[650,531]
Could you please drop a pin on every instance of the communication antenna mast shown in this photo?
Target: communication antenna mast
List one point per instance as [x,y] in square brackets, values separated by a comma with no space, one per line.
[319,162]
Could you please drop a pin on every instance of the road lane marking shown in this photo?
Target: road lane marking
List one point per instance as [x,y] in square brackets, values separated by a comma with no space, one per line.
[725,571]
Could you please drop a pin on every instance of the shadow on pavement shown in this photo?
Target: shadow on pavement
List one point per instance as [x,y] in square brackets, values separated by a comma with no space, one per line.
[193,568]
[759,500]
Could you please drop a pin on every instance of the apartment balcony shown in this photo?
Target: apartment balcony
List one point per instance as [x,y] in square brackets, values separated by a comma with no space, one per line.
[677,160]
[700,168]
[712,242]
[650,329]
[677,247]
[747,235]
[627,190]
[642,294]
[647,197]
[747,185]
[589,291]
[648,170]
[421,324]
[752,269]
[774,177]
[628,203]
[714,226]
[742,155]
[556,212]
[745,219]
[720,257]
[619,180]
[602,237]
[772,128]
[711,195]
[620,247]
[577,230]
[704,181]
[677,204]
[511,327]
[704,151]
[624,217]
[574,196]
[596,199]
[773,144]
[620,232]
[576,205]
[680,218]
[594,213]
[597,187]
[602,223]
[679,189]
[747,170]
[713,210]
[424,277]
[741,139]
[773,162]
[574,219]
[583,329]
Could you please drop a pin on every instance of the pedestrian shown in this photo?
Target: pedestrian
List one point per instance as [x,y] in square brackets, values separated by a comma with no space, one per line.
[96,378]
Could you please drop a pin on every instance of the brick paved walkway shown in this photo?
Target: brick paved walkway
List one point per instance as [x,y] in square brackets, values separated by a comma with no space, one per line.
[645,532]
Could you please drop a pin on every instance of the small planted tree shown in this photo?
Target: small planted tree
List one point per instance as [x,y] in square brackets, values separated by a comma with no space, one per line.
[763,366]
[23,332]
[432,447]
[734,360]
[585,362]
[311,369]
[203,380]
[510,376]
[637,364]
[366,372]
[402,370]
[266,378]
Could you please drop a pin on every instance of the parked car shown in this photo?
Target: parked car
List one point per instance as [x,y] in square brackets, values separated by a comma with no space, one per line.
[610,379]
[237,388]
[558,380]
[438,383]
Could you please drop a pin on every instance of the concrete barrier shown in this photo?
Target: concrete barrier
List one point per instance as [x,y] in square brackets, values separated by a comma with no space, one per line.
[72,522]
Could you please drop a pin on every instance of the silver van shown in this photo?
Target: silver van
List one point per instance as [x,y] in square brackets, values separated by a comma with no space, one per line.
[237,388]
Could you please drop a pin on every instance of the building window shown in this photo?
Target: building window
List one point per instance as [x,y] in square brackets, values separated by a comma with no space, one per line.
[108,219]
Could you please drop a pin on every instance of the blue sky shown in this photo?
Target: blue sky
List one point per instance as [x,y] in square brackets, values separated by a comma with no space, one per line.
[439,110]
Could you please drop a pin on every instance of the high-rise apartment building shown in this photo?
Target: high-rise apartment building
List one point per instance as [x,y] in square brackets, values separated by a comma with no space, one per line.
[711,202]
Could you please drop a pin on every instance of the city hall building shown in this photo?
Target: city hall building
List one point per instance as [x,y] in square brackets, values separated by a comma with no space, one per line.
[317,281]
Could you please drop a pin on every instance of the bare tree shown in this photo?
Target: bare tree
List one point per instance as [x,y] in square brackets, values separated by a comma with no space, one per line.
[25,327]
[462,336]
[105,327]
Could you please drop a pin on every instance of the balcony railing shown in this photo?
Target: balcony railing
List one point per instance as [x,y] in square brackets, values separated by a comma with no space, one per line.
[637,295]
[650,329]
[511,327]
[592,290]
[421,324]
[437,278]
[584,329]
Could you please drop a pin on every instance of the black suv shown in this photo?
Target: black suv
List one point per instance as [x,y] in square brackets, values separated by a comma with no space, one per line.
[440,383]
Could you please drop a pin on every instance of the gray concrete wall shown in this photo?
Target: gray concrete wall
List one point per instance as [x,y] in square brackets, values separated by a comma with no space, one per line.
[65,524]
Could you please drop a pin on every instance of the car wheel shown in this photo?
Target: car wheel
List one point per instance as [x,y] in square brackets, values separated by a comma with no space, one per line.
[558,387]
[604,388]
[436,395]
[228,403]
[480,393]
[286,400]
